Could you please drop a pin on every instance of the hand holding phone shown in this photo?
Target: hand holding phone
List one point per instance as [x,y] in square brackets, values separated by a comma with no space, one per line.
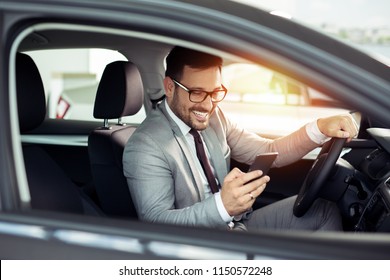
[263,162]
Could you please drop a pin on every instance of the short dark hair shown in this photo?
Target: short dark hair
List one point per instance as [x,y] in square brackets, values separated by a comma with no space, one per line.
[179,57]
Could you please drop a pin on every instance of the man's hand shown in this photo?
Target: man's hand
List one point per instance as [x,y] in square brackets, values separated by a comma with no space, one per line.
[341,126]
[237,194]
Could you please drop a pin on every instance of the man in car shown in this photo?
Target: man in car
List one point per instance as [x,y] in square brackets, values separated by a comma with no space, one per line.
[170,184]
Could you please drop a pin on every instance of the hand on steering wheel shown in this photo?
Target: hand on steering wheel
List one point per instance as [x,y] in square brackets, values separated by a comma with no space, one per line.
[318,175]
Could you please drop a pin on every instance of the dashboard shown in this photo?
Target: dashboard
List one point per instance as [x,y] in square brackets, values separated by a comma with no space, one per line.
[375,216]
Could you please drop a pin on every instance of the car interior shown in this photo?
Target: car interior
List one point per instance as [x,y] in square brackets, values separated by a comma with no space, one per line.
[87,179]
[120,94]
[50,188]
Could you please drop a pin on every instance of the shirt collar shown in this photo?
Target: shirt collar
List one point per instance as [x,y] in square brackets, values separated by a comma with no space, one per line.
[185,129]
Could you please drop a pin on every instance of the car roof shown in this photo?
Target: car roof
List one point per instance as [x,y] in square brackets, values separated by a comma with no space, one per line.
[226,11]
[150,28]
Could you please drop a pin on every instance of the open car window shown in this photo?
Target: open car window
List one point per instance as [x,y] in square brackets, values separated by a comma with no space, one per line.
[270,103]
[71,83]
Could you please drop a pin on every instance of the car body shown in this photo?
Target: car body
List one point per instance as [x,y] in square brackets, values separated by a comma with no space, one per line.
[144,32]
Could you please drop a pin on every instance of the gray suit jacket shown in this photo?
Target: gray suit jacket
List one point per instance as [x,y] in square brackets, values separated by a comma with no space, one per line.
[161,173]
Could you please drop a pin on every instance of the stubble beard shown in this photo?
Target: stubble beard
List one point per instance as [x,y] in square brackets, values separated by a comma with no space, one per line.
[187,115]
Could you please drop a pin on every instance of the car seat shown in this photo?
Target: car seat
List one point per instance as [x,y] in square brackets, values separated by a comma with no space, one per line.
[50,188]
[120,93]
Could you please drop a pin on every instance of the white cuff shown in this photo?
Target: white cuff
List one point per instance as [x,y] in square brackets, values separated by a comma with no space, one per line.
[315,134]
[221,208]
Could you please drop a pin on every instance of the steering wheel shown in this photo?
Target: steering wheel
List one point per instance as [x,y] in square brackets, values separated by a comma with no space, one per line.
[317,175]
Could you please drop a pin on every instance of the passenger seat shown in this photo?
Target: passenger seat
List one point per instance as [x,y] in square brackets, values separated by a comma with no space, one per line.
[120,93]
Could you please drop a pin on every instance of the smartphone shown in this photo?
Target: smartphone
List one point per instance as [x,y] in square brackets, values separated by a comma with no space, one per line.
[263,162]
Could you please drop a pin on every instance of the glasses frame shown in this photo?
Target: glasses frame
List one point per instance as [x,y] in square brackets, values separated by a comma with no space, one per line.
[208,93]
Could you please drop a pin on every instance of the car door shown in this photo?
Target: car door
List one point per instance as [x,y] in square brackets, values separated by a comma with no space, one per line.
[29,233]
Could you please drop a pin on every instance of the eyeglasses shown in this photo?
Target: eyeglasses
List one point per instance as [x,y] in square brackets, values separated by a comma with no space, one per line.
[198,96]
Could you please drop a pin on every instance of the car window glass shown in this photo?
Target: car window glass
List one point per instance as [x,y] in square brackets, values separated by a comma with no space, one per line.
[272,104]
[71,78]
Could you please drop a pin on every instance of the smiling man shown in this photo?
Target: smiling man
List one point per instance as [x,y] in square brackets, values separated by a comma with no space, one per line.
[177,162]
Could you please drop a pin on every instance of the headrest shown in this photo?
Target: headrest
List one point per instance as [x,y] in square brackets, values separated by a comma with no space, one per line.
[30,93]
[120,92]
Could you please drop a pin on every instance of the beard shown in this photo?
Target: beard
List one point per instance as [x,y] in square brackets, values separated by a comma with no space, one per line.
[196,116]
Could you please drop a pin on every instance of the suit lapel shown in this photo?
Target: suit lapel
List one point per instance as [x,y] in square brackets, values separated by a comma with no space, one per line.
[180,139]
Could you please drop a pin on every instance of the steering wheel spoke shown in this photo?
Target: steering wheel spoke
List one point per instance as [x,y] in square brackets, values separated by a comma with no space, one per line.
[317,176]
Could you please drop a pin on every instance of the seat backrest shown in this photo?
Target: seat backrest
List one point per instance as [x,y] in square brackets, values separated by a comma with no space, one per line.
[120,93]
[50,188]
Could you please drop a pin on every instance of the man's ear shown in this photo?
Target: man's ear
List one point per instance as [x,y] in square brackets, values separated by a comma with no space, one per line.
[169,87]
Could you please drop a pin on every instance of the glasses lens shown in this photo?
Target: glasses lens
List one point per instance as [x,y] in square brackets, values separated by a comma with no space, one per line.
[198,96]
[218,96]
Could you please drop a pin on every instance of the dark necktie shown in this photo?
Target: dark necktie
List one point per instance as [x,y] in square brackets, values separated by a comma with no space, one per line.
[204,161]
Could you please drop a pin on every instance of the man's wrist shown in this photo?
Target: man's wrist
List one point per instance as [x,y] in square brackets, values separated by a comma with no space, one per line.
[221,208]
[315,134]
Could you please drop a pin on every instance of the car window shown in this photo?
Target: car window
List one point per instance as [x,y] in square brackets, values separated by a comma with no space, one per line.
[338,20]
[269,103]
[71,82]
[251,83]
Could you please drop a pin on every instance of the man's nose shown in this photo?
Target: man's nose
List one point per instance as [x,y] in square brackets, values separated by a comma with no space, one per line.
[208,102]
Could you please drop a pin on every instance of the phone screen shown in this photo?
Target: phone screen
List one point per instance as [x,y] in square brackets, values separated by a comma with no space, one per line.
[263,162]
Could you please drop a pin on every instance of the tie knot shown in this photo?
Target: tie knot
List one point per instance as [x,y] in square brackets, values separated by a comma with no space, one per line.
[196,135]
